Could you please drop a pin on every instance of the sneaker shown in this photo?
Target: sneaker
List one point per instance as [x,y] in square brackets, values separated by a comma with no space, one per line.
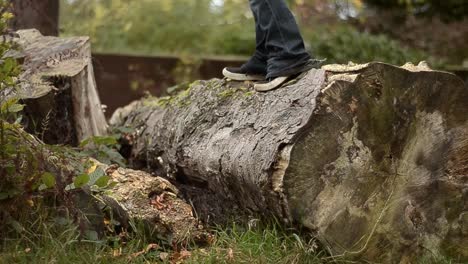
[302,67]
[276,82]
[272,84]
[239,74]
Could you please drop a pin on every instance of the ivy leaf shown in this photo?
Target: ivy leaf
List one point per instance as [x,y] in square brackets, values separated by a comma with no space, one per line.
[15,108]
[107,141]
[48,179]
[96,175]
[102,181]
[5,106]
[81,180]
[114,156]
[112,184]
[85,142]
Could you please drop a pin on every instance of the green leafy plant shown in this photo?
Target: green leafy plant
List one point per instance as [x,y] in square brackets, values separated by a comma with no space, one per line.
[10,158]
[344,43]
[448,9]
[31,172]
[105,148]
[212,29]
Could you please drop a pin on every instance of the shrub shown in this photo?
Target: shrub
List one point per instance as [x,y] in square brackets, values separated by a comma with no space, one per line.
[345,43]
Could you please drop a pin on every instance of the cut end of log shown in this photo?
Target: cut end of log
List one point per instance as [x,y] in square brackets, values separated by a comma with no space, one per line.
[376,154]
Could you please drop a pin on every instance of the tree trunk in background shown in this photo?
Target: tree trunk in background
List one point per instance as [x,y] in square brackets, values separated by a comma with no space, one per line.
[42,15]
[373,158]
[58,88]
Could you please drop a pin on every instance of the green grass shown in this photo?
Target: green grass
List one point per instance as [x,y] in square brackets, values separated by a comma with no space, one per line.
[258,245]
[59,242]
[49,242]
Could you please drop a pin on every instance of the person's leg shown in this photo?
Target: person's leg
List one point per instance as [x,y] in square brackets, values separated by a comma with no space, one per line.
[280,50]
[278,36]
[256,67]
[258,62]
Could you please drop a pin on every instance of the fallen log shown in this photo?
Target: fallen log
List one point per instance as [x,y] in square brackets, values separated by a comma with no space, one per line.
[125,201]
[58,88]
[372,158]
[139,197]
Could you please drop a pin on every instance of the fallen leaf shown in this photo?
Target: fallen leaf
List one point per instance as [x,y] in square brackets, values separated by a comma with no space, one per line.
[149,248]
[179,257]
[230,254]
[92,168]
[158,202]
[30,202]
[117,252]
[152,247]
[163,256]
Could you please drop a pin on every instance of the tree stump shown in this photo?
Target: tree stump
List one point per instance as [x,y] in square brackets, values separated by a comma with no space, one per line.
[58,87]
[372,158]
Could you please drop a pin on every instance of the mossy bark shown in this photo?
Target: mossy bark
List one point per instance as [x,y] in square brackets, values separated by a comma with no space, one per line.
[372,158]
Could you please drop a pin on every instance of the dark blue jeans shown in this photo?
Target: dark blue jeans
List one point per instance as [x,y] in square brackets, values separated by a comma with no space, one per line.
[280,46]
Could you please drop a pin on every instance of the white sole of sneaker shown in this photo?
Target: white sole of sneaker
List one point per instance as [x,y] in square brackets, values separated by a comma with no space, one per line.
[275,83]
[242,77]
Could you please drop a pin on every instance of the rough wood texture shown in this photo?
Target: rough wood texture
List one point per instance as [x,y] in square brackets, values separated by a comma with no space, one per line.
[153,201]
[372,158]
[58,87]
[136,198]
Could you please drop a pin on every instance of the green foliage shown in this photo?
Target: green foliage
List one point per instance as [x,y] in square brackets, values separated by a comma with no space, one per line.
[48,179]
[199,28]
[81,180]
[105,148]
[267,244]
[29,168]
[343,44]
[12,152]
[161,26]
[448,9]
[59,242]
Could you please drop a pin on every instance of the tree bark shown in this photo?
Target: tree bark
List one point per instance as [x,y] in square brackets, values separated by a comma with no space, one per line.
[372,158]
[139,197]
[132,198]
[58,87]
[42,15]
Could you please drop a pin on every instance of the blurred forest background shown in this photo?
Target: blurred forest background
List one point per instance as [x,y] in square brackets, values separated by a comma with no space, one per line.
[394,31]
[157,47]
